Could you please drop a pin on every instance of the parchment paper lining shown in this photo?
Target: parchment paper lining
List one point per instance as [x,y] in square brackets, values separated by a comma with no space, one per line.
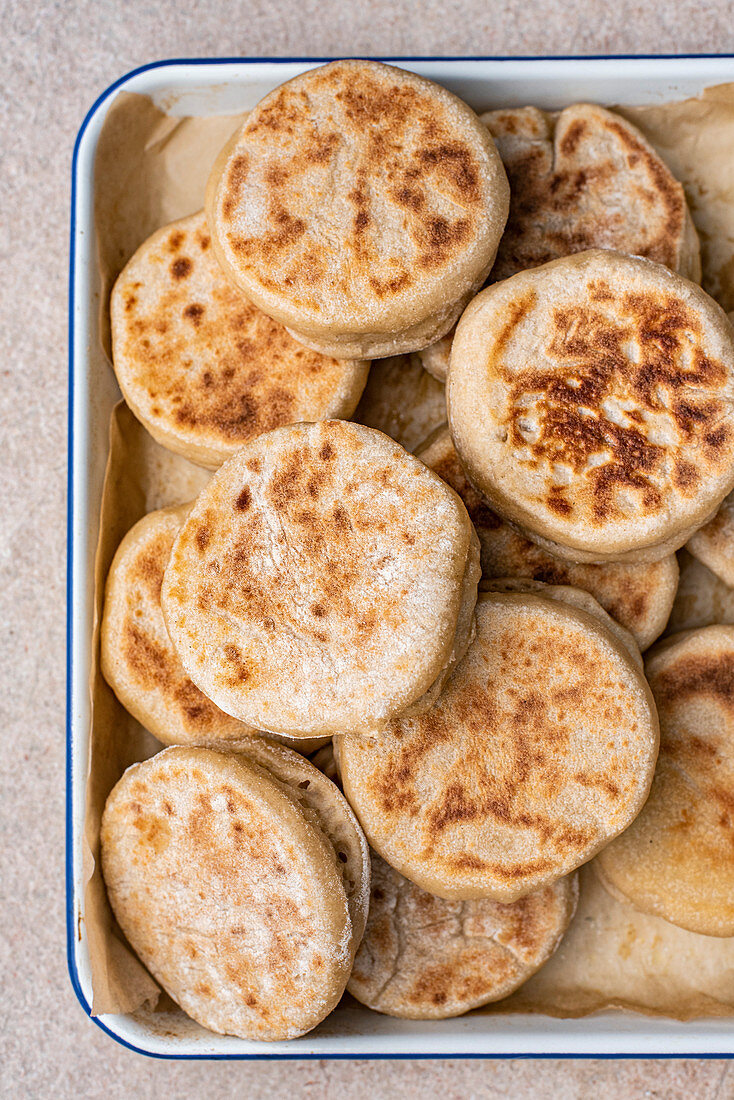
[151,169]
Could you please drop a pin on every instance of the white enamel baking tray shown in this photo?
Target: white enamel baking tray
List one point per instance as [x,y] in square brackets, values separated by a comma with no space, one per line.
[226,87]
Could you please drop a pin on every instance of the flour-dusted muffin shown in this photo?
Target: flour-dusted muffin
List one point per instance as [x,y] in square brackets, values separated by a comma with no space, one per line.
[137,656]
[582,178]
[324,582]
[590,400]
[229,892]
[677,859]
[200,366]
[586,178]
[361,206]
[539,751]
[426,959]
[639,595]
[402,400]
[713,544]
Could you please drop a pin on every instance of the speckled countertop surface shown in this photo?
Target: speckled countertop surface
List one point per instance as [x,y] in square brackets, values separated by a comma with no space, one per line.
[58,56]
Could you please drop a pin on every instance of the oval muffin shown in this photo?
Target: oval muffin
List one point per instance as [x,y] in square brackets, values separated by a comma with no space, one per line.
[590,401]
[361,206]
[202,368]
[324,581]
[539,751]
[228,892]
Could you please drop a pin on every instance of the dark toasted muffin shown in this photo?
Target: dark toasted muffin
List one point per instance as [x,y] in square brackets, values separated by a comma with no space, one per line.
[540,749]
[200,366]
[360,205]
[677,859]
[586,178]
[324,581]
[639,596]
[426,959]
[229,892]
[713,544]
[590,400]
[402,400]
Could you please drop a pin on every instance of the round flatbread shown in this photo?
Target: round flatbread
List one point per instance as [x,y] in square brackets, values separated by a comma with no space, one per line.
[702,599]
[200,366]
[586,178]
[228,892]
[713,544]
[590,400]
[540,749]
[324,581]
[137,657]
[424,958]
[639,596]
[677,859]
[361,205]
[318,796]
[402,400]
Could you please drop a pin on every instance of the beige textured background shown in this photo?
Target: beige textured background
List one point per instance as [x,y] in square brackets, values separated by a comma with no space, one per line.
[57,57]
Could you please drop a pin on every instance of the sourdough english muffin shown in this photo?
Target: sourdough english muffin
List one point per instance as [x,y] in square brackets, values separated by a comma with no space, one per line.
[136,654]
[318,796]
[582,178]
[713,544]
[540,749]
[677,859]
[361,205]
[590,400]
[639,596]
[402,400]
[424,958]
[586,178]
[200,366]
[324,582]
[229,893]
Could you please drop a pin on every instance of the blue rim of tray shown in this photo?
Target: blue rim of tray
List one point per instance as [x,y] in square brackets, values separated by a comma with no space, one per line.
[70,917]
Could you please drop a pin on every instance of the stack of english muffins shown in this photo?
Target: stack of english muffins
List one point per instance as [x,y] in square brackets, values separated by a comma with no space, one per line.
[463,400]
